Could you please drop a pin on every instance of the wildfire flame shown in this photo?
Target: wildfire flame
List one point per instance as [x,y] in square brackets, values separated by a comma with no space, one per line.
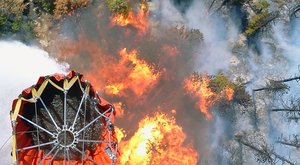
[138,21]
[139,77]
[158,140]
[199,87]
[126,73]
[119,109]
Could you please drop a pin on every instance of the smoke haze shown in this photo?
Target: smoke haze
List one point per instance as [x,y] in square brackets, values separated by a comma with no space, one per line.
[20,68]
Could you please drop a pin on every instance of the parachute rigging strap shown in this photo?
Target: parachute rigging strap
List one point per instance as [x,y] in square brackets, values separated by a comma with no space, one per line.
[69,84]
[55,85]
[83,134]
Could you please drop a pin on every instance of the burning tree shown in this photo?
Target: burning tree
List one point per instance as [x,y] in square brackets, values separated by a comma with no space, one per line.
[158,140]
[216,89]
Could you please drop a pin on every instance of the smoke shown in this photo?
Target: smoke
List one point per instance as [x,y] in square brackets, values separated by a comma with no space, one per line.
[215,55]
[20,67]
[91,44]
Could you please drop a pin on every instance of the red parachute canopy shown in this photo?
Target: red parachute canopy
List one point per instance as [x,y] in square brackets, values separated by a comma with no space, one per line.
[62,120]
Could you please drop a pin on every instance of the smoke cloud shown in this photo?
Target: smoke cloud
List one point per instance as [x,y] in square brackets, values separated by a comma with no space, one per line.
[20,67]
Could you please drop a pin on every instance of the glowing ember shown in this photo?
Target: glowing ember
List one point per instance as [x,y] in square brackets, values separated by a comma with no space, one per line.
[199,87]
[157,141]
[138,21]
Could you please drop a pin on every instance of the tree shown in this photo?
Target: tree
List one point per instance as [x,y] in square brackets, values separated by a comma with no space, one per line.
[264,153]
[118,6]
[64,7]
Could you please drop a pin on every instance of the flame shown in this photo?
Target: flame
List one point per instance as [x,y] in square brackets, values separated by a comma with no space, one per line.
[138,21]
[139,77]
[119,109]
[120,133]
[157,141]
[199,87]
[229,93]
[114,89]
[113,75]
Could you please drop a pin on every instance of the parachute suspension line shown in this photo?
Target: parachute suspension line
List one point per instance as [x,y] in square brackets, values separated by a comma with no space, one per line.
[6,141]
[68,156]
[84,155]
[35,146]
[110,150]
[54,155]
[83,134]
[92,141]
[34,124]
[37,129]
[82,129]
[65,122]
[65,108]
[49,153]
[101,115]
[49,113]
[79,107]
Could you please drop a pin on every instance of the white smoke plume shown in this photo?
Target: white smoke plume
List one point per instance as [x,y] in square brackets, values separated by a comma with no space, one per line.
[20,67]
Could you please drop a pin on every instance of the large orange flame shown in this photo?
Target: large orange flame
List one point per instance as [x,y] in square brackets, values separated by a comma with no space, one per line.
[159,140]
[199,87]
[138,21]
[139,76]
[115,76]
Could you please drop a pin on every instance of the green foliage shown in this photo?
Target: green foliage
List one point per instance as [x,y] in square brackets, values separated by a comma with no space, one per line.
[219,82]
[118,6]
[45,5]
[15,25]
[3,20]
[255,23]
[12,24]
[262,5]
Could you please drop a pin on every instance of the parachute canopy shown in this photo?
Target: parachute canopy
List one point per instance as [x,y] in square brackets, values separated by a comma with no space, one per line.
[62,120]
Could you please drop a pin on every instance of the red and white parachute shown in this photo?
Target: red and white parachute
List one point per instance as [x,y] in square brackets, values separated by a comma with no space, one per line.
[62,120]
